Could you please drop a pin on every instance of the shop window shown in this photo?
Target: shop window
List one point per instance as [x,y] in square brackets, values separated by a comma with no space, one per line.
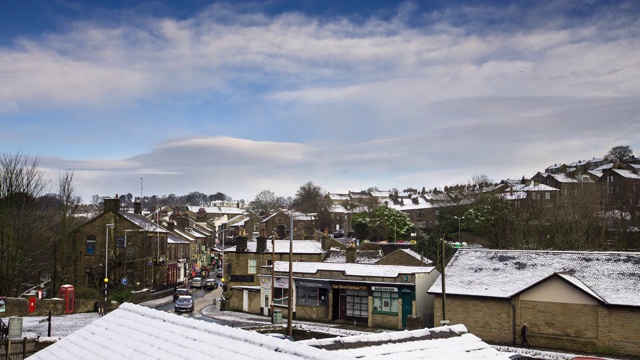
[91,244]
[281,296]
[358,303]
[312,296]
[386,302]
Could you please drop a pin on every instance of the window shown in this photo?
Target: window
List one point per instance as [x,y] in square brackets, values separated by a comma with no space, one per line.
[358,303]
[547,195]
[281,296]
[312,296]
[253,264]
[91,244]
[386,302]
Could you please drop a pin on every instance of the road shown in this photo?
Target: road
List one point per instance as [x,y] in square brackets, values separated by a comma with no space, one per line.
[202,299]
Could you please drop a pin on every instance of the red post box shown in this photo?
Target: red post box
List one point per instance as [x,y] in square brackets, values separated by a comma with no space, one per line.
[32,304]
[67,294]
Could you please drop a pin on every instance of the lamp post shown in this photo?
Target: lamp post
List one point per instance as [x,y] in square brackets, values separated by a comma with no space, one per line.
[106,262]
[459,219]
[222,259]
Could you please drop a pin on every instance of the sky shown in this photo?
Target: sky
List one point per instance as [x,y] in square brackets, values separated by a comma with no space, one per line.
[171,97]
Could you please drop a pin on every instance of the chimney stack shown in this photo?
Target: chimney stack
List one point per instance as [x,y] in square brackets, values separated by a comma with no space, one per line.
[241,244]
[352,255]
[137,208]
[261,245]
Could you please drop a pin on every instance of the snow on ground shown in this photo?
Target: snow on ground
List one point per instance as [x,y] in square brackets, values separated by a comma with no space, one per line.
[61,326]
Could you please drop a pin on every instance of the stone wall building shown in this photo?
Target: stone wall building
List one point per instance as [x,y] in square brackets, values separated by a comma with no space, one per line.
[575,301]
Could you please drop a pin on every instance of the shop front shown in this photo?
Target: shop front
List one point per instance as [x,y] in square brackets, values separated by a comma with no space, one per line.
[350,302]
[312,299]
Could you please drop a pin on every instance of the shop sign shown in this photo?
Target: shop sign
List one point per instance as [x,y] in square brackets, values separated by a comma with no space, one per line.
[384,289]
[281,283]
[349,287]
[311,284]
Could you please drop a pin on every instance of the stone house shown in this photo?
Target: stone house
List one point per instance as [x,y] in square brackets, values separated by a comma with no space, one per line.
[243,263]
[573,301]
[138,253]
[280,224]
[405,257]
[381,296]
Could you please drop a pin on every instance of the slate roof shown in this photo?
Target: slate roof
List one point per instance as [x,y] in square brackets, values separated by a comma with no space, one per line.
[362,256]
[282,246]
[613,277]
[447,342]
[136,332]
[350,269]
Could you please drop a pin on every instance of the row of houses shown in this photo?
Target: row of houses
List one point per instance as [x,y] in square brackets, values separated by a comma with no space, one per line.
[576,301]
[492,292]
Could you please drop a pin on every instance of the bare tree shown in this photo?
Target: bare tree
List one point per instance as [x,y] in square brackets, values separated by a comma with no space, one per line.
[63,247]
[265,202]
[23,226]
[309,198]
[620,154]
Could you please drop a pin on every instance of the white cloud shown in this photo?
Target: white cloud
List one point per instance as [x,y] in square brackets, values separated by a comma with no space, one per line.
[238,101]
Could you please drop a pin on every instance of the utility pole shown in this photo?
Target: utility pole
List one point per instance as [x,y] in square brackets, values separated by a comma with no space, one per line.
[444,320]
[290,300]
[106,263]
[273,266]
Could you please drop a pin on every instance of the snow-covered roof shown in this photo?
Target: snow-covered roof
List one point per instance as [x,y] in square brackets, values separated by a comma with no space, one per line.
[611,276]
[142,222]
[419,257]
[172,239]
[219,210]
[282,246]
[447,342]
[350,269]
[362,256]
[538,187]
[337,209]
[563,178]
[334,196]
[626,174]
[137,332]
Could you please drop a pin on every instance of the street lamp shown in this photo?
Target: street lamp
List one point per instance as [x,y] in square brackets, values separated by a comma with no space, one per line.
[106,262]
[459,219]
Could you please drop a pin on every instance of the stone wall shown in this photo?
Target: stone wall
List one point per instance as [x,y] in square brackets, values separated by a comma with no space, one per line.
[489,319]
[563,326]
[315,313]
[20,307]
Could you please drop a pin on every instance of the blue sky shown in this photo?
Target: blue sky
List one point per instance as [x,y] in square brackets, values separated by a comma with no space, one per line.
[239,97]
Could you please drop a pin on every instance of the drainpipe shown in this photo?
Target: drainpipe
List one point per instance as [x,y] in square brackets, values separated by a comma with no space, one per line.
[513,307]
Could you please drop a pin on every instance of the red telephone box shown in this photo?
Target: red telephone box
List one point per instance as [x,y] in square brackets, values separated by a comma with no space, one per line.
[67,294]
[32,304]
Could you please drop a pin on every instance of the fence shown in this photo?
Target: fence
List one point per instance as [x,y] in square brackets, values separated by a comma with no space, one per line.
[15,349]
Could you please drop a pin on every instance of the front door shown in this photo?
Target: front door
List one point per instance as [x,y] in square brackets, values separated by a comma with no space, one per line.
[407,306]
[343,306]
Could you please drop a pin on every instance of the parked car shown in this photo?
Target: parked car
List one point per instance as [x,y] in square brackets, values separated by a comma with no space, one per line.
[210,284]
[196,282]
[184,303]
[180,292]
[219,273]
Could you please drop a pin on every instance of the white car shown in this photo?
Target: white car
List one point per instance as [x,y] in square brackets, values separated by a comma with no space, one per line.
[196,282]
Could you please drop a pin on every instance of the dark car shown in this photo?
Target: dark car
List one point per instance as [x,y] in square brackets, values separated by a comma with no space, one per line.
[180,292]
[210,284]
[184,303]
